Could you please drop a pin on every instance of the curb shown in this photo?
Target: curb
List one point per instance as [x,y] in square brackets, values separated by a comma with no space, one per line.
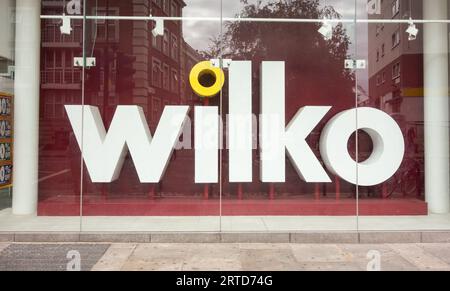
[371,237]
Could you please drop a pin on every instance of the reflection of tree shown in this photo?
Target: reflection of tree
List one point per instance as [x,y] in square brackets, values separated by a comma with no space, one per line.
[314,66]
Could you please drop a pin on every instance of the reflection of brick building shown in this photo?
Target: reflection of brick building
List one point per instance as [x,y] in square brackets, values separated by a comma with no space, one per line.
[396,86]
[139,69]
[396,63]
[132,67]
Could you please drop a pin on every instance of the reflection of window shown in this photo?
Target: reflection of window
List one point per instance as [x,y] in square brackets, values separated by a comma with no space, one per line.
[396,103]
[58,68]
[395,39]
[49,59]
[51,31]
[378,55]
[103,29]
[174,9]
[377,29]
[49,110]
[382,50]
[189,65]
[156,109]
[54,103]
[166,4]
[166,77]
[383,77]
[396,71]
[378,80]
[166,42]
[174,51]
[156,40]
[174,81]
[395,7]
[156,73]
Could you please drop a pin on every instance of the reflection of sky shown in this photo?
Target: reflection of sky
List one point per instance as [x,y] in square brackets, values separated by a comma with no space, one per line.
[199,33]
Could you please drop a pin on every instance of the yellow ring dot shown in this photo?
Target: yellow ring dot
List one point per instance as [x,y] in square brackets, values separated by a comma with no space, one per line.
[203,69]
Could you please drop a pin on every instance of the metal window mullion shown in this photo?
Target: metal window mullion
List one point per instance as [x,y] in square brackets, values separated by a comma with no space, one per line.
[237,19]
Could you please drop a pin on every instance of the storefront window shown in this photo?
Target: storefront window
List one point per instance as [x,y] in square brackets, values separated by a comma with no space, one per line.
[324,115]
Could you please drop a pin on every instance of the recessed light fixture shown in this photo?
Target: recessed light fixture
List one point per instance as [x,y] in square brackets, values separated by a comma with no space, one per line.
[412,30]
[66,27]
[326,30]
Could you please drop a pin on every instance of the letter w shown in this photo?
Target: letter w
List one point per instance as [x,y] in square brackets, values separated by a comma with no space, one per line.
[104,153]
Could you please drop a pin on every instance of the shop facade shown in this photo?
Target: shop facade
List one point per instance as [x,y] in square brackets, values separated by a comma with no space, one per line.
[152,115]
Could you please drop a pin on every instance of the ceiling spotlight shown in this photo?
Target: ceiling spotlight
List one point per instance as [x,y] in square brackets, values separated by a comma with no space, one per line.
[159,27]
[66,27]
[326,30]
[412,30]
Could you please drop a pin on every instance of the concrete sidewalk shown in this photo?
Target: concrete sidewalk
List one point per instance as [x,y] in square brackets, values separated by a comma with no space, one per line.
[226,257]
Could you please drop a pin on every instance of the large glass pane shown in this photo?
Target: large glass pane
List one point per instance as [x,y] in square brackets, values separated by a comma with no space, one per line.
[61,85]
[37,79]
[406,45]
[296,82]
[141,80]
[291,75]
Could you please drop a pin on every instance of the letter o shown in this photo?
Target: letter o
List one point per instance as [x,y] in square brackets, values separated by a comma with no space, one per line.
[387,139]
[206,68]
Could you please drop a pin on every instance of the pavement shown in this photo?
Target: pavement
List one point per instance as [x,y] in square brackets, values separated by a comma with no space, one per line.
[223,257]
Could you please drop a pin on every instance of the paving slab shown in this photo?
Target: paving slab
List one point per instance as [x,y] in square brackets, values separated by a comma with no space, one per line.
[230,237]
[315,253]
[330,266]
[212,257]
[115,257]
[268,260]
[6,237]
[390,237]
[47,237]
[185,237]
[438,250]
[389,259]
[435,237]
[321,238]
[154,257]
[420,258]
[49,257]
[3,246]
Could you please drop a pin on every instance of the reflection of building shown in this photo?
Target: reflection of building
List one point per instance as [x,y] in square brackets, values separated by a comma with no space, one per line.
[395,63]
[126,74]
[139,69]
[189,57]
[132,68]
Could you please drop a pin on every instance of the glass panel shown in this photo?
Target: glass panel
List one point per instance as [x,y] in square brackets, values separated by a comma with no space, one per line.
[287,186]
[140,80]
[406,78]
[61,85]
[37,79]
[136,61]
[169,8]
[309,9]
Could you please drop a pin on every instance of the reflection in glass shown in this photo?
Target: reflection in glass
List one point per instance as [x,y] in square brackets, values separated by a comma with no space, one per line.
[147,63]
